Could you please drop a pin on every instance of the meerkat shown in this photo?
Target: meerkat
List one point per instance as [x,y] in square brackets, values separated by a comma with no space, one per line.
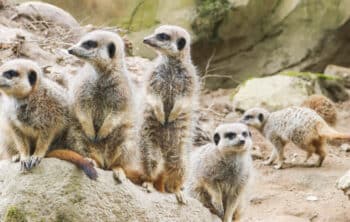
[323,106]
[34,113]
[102,103]
[221,172]
[171,98]
[300,125]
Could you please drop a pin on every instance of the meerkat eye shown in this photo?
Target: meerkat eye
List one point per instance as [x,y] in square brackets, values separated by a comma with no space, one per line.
[10,74]
[248,117]
[89,44]
[163,37]
[230,135]
[244,134]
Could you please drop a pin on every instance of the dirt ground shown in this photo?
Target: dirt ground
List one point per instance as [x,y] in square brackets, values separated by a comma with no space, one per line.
[295,193]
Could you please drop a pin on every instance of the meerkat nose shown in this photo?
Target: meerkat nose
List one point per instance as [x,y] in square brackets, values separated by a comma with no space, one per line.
[241,142]
[70,51]
[146,41]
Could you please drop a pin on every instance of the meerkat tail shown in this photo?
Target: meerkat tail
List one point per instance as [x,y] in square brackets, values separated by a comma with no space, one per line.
[328,132]
[76,159]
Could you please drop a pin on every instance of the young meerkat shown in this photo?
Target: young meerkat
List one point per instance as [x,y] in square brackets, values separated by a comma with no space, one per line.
[300,125]
[103,105]
[171,97]
[221,172]
[34,113]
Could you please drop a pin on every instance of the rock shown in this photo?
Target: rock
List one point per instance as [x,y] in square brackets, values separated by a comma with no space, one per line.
[273,93]
[312,198]
[345,147]
[341,72]
[344,184]
[228,32]
[323,106]
[58,191]
[285,218]
[41,11]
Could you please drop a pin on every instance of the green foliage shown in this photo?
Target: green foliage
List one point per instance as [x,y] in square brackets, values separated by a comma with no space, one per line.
[13,214]
[210,14]
[309,75]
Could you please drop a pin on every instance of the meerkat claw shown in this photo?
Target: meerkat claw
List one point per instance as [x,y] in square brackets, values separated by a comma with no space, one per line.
[181,198]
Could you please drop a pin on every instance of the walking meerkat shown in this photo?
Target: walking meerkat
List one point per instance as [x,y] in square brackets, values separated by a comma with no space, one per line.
[34,113]
[102,102]
[171,97]
[220,172]
[300,125]
[323,106]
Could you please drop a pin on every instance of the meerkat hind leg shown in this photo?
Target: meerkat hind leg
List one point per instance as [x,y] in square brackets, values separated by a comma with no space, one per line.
[320,151]
[279,146]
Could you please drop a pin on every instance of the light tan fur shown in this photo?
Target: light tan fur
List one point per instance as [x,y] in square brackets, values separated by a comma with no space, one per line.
[171,98]
[103,104]
[299,125]
[221,172]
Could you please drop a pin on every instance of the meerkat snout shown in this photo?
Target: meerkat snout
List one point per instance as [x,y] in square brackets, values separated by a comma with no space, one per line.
[235,137]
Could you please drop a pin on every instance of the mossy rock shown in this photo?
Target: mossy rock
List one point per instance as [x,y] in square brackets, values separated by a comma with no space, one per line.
[13,214]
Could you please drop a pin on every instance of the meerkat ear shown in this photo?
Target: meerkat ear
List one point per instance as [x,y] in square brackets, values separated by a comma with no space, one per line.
[261,117]
[181,42]
[250,133]
[216,138]
[111,50]
[32,77]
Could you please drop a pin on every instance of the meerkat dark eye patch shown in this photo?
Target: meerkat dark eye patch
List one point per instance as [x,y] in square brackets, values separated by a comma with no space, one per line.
[248,117]
[181,42]
[230,135]
[90,44]
[216,138]
[261,117]
[10,74]
[163,37]
[32,77]
[111,50]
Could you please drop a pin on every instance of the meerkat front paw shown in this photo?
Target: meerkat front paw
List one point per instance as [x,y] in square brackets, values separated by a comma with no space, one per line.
[181,198]
[160,115]
[34,161]
[119,175]
[219,208]
[25,163]
[15,158]
[148,187]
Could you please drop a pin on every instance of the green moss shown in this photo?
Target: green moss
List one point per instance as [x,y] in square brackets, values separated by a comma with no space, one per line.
[309,75]
[210,14]
[13,214]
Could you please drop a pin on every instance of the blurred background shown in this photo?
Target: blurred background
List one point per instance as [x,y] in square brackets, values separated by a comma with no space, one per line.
[234,40]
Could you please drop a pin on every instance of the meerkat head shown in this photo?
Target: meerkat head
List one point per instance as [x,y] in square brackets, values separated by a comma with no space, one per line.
[255,117]
[232,137]
[100,48]
[169,40]
[19,77]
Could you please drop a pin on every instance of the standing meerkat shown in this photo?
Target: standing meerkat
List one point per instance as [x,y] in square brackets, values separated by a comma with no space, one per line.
[103,105]
[221,172]
[171,97]
[34,113]
[302,126]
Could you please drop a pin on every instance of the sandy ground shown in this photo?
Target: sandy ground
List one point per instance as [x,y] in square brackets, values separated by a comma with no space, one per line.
[297,193]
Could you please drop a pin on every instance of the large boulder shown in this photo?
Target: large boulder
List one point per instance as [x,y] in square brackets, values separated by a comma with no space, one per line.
[58,191]
[273,93]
